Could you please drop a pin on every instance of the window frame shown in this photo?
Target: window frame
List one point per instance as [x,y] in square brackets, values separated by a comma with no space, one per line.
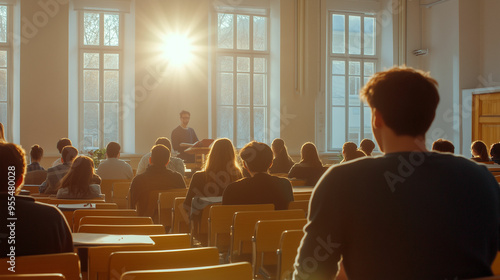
[347,57]
[235,53]
[101,49]
[8,46]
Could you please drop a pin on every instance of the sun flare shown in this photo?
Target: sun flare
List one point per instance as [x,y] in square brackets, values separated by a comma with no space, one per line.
[178,49]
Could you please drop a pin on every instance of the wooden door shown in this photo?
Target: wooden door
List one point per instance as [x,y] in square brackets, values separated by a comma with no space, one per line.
[486,118]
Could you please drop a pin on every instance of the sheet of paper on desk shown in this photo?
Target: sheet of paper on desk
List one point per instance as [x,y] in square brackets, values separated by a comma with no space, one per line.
[98,239]
[65,207]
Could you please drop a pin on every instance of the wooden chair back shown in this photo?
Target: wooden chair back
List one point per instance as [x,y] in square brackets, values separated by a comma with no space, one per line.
[220,221]
[68,264]
[123,229]
[37,276]
[78,214]
[199,229]
[106,205]
[243,228]
[302,196]
[98,257]
[266,242]
[120,193]
[166,206]
[121,262]
[240,271]
[33,189]
[299,204]
[115,220]
[107,187]
[180,218]
[35,177]
[289,243]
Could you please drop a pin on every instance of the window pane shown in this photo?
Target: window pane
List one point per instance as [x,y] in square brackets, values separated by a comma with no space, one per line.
[259,33]
[354,124]
[3,84]
[243,89]
[260,65]
[225,89]
[91,125]
[225,122]
[3,117]
[369,34]
[367,123]
[111,30]
[226,63]
[260,89]
[111,85]
[354,87]
[354,68]
[111,61]
[354,35]
[225,30]
[338,67]
[91,60]
[3,58]
[91,85]
[91,29]
[243,32]
[338,34]
[243,64]
[3,24]
[111,122]
[243,126]
[259,124]
[338,127]
[338,90]
[369,69]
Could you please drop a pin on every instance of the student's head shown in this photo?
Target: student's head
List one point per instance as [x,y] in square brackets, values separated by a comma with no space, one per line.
[185,117]
[79,177]
[164,141]
[350,151]
[403,100]
[309,154]
[480,150]
[257,156]
[367,146]
[442,145]
[63,142]
[279,148]
[36,153]
[12,160]
[495,151]
[222,158]
[68,154]
[113,150]
[160,155]
[2,133]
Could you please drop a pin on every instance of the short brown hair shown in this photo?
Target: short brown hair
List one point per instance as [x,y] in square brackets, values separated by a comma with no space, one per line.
[68,154]
[442,145]
[406,98]
[165,142]
[160,155]
[257,156]
[12,163]
[113,149]
[63,142]
[36,152]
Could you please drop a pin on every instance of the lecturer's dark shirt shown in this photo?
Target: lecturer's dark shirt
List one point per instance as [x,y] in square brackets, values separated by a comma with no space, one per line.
[409,215]
[38,229]
[183,135]
[262,188]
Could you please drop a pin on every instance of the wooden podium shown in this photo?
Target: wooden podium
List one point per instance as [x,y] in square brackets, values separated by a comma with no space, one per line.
[199,155]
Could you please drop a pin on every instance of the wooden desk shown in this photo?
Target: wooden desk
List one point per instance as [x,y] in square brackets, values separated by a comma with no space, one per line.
[199,154]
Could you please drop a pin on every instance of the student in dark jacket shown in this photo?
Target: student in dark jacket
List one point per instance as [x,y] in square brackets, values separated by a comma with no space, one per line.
[282,162]
[310,167]
[261,188]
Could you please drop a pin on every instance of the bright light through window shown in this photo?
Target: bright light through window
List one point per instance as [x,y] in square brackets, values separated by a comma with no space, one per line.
[178,49]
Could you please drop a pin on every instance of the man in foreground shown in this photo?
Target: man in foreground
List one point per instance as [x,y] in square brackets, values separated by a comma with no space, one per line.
[410,214]
[29,227]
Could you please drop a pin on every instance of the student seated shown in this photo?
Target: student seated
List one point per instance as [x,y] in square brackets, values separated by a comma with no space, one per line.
[175,164]
[409,214]
[156,177]
[63,142]
[221,169]
[78,181]
[444,146]
[282,162]
[260,188]
[367,146]
[113,167]
[36,154]
[39,228]
[350,151]
[479,151]
[310,167]
[495,153]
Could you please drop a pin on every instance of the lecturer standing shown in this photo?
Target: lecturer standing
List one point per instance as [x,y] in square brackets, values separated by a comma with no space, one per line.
[184,137]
